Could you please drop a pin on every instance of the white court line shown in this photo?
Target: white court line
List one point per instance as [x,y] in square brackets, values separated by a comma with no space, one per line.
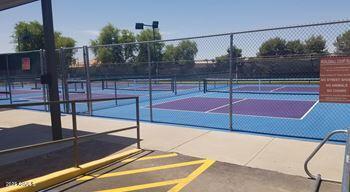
[307,112]
[235,114]
[224,106]
[278,88]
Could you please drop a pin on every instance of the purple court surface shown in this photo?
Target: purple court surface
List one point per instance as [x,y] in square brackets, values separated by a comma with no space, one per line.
[251,107]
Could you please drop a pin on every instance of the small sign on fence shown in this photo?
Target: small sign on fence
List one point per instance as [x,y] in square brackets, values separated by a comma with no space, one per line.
[25,64]
[335,79]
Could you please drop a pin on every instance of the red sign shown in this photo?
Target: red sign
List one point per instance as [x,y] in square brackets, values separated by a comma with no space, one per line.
[335,79]
[25,64]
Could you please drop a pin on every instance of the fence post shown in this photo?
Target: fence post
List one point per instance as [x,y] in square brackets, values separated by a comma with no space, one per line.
[8,78]
[87,75]
[150,81]
[65,85]
[230,83]
[43,71]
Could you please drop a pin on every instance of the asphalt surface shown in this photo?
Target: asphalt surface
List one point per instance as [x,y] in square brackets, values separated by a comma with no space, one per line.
[176,172]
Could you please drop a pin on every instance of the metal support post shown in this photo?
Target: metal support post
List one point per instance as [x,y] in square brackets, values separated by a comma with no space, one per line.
[75,135]
[150,81]
[230,83]
[87,74]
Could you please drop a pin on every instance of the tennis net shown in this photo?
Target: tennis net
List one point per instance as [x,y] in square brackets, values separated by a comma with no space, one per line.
[270,86]
[167,84]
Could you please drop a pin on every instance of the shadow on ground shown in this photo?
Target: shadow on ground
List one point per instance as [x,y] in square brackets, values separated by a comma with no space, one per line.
[32,163]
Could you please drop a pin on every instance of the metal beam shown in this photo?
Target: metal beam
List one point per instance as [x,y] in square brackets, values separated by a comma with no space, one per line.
[51,62]
[8,4]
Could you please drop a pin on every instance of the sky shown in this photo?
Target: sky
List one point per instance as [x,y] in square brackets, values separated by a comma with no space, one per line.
[82,19]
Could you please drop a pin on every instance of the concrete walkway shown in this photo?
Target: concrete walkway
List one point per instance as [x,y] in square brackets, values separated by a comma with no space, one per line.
[265,152]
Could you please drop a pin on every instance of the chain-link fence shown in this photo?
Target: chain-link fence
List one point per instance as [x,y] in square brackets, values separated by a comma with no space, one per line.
[20,75]
[260,81]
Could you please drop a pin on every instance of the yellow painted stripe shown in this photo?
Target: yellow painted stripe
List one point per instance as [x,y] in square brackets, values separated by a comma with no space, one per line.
[192,176]
[143,170]
[144,186]
[63,175]
[150,157]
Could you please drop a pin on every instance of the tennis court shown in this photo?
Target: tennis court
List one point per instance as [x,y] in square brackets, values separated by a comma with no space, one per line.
[273,93]
[276,108]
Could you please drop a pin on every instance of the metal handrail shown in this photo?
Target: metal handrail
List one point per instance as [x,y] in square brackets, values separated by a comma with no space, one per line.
[317,149]
[75,137]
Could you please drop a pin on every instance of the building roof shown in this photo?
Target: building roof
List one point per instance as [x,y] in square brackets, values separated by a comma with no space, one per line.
[7,4]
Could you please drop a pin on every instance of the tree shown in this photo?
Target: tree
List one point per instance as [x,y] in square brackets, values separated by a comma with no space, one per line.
[185,53]
[222,62]
[169,53]
[114,54]
[155,48]
[273,47]
[68,54]
[342,43]
[30,36]
[182,56]
[315,45]
[295,47]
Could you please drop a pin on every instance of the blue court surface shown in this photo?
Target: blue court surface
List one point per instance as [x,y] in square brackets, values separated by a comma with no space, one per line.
[291,115]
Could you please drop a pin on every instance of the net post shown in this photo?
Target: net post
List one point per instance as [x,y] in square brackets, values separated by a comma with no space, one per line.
[115,93]
[174,82]
[199,83]
[150,81]
[230,83]
[87,81]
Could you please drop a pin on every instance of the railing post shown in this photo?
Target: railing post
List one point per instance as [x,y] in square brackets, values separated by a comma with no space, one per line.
[138,122]
[150,82]
[319,146]
[230,83]
[75,135]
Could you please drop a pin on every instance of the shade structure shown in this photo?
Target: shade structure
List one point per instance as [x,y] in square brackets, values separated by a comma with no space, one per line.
[7,4]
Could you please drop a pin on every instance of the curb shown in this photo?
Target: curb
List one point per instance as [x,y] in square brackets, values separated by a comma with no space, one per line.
[51,179]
